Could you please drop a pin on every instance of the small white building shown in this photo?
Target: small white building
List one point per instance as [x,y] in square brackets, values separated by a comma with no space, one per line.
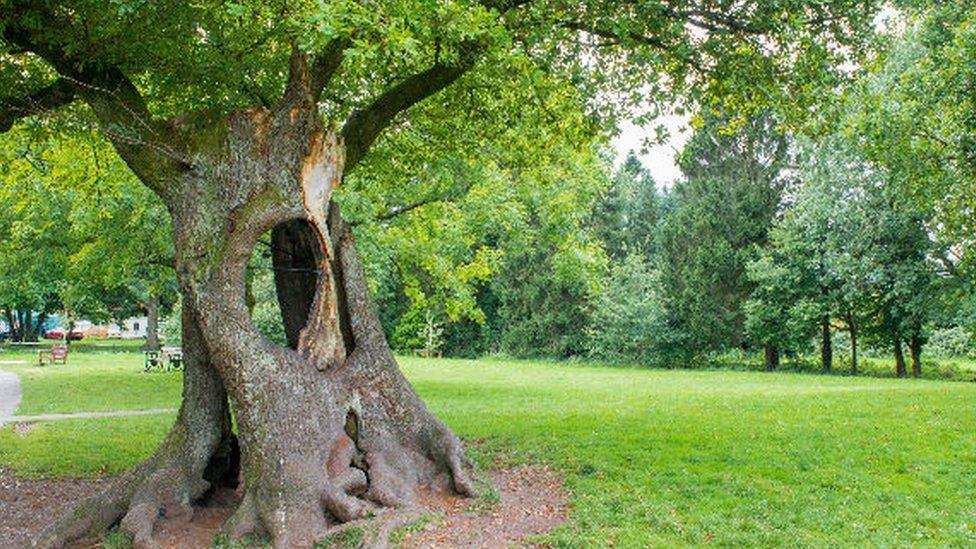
[134,328]
[131,328]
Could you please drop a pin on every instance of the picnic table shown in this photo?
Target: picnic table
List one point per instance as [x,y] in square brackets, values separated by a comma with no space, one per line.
[165,359]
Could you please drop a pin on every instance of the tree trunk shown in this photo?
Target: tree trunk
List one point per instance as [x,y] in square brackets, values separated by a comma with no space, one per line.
[30,334]
[852,328]
[900,370]
[826,346]
[152,323]
[19,334]
[11,324]
[330,431]
[772,357]
[915,348]
[17,326]
[38,326]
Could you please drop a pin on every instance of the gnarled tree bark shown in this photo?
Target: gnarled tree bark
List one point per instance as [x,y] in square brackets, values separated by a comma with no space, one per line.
[329,429]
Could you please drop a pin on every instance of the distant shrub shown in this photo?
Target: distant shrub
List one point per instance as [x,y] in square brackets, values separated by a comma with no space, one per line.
[951,343]
[629,322]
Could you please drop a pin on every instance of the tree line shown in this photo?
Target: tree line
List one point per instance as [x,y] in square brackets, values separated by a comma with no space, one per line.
[776,239]
[770,241]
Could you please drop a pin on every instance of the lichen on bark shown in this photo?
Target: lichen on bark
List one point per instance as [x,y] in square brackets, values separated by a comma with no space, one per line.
[329,429]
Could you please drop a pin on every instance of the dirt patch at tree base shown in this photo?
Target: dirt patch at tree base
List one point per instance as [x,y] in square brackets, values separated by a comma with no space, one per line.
[530,502]
[27,505]
[527,501]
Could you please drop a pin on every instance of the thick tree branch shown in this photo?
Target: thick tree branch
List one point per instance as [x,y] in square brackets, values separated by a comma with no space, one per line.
[146,145]
[308,75]
[652,41]
[58,94]
[326,63]
[364,125]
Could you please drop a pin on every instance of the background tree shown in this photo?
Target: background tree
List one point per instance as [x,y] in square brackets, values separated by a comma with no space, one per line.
[723,209]
[83,232]
[630,322]
[625,217]
[844,252]
[913,114]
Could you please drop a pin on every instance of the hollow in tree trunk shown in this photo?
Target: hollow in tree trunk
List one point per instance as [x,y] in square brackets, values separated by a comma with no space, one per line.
[329,429]
[826,345]
[900,370]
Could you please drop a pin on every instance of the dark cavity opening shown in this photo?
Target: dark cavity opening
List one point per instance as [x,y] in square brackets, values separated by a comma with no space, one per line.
[352,429]
[282,276]
[295,259]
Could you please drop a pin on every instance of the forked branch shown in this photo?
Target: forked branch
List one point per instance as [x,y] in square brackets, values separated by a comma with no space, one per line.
[364,125]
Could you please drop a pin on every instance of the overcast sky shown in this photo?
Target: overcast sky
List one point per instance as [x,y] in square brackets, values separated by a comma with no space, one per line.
[659,159]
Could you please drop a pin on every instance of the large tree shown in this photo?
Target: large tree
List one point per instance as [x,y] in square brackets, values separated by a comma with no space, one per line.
[722,211]
[244,117]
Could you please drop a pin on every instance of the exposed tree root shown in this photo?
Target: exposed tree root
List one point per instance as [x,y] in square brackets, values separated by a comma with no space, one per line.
[162,486]
[330,430]
[374,532]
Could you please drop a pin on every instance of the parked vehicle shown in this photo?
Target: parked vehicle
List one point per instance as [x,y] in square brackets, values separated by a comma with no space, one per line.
[73,335]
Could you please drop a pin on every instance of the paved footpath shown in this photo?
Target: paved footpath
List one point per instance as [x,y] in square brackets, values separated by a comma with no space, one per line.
[10,399]
[82,415]
[9,395]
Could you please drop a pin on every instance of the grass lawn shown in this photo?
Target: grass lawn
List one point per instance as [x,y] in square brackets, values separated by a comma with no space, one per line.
[652,457]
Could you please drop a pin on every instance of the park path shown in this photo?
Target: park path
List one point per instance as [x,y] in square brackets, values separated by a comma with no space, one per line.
[83,415]
[10,399]
[9,396]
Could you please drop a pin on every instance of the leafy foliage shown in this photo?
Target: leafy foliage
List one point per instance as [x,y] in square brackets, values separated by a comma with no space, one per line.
[630,322]
[721,211]
[80,236]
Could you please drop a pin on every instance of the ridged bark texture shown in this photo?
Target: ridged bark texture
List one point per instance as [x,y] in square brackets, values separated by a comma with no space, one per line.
[329,429]
[194,457]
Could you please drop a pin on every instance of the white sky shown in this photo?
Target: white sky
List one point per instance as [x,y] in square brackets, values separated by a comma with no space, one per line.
[658,159]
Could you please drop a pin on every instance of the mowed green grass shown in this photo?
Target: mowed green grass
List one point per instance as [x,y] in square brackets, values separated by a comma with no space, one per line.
[91,382]
[660,458]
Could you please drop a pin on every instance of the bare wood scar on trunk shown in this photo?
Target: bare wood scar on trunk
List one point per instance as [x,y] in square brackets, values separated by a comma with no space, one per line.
[321,339]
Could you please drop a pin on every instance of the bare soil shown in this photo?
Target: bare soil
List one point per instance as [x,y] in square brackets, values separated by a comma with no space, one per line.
[26,505]
[530,502]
